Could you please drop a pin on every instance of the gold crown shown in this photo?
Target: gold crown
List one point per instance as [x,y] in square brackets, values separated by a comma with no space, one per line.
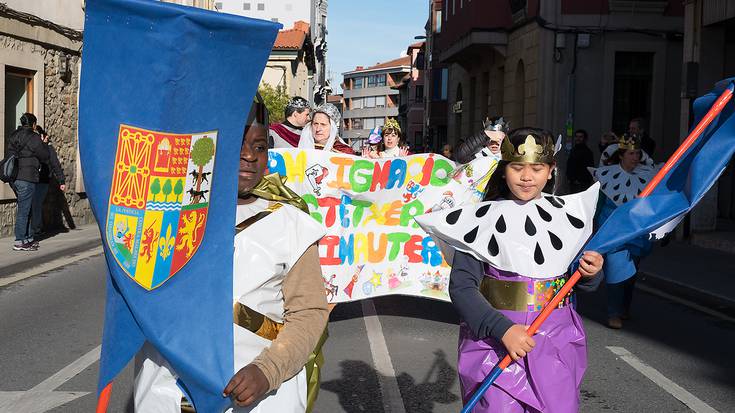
[392,123]
[529,151]
[628,142]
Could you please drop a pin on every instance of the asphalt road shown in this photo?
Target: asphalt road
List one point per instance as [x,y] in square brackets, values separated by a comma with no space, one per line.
[402,359]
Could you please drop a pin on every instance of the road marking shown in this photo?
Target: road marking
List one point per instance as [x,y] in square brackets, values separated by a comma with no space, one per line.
[49,266]
[42,397]
[684,302]
[392,400]
[655,376]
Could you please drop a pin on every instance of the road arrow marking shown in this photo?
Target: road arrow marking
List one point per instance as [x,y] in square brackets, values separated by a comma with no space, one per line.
[42,397]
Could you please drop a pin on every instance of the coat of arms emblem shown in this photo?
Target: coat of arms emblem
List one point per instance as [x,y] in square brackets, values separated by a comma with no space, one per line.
[158,201]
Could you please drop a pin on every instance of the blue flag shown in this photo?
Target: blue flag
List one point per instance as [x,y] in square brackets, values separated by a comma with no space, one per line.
[682,187]
[165,93]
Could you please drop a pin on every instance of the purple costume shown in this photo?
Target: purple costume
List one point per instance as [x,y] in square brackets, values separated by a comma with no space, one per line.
[508,259]
[548,379]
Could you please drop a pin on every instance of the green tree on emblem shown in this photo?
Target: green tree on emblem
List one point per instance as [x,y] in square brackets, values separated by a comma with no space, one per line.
[155,188]
[179,189]
[167,190]
[201,154]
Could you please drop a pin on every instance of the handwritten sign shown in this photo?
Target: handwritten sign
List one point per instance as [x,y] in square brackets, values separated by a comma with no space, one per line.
[373,247]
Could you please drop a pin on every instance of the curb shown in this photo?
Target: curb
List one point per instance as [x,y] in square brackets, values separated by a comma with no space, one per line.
[704,298]
[47,256]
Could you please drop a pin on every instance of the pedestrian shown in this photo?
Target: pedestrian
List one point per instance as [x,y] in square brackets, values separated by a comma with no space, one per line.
[580,158]
[621,180]
[611,147]
[31,153]
[498,285]
[447,151]
[321,132]
[392,144]
[50,169]
[287,133]
[280,309]
[637,129]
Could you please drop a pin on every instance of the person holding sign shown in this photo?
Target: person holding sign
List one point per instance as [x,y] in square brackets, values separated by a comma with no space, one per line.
[321,133]
[391,146]
[499,285]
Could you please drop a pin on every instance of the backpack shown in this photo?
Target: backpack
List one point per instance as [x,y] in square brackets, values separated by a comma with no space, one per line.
[9,167]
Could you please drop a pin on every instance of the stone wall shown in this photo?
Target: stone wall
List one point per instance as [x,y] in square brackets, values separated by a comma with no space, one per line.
[60,112]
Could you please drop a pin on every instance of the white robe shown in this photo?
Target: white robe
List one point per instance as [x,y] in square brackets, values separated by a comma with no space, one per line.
[262,259]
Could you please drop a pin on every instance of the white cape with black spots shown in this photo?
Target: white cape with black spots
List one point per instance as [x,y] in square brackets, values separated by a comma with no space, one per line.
[621,186]
[537,239]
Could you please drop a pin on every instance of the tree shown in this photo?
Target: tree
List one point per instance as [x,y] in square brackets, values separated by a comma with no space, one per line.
[275,100]
[201,154]
[166,190]
[155,188]
[178,188]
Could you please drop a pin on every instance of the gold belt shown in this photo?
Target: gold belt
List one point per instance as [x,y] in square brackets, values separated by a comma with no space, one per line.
[252,320]
[522,295]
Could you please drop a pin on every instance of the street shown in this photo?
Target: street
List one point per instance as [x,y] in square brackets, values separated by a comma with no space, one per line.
[402,360]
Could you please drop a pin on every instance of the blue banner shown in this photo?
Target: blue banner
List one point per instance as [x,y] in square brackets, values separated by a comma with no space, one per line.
[165,92]
[682,187]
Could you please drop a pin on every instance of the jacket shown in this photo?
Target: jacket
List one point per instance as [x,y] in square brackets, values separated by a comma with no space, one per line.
[31,152]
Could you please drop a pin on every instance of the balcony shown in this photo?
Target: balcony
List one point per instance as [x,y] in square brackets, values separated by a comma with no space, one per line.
[371,112]
[369,91]
[476,42]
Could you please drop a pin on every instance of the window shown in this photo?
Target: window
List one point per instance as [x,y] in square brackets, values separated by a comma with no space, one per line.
[369,123]
[379,121]
[261,6]
[18,97]
[369,102]
[376,80]
[245,6]
[357,83]
[380,101]
[454,7]
[356,103]
[632,88]
[438,21]
[439,84]
[357,123]
[420,94]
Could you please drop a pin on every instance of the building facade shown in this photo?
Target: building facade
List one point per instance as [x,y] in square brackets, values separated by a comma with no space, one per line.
[288,13]
[708,57]
[39,73]
[370,96]
[291,61]
[411,99]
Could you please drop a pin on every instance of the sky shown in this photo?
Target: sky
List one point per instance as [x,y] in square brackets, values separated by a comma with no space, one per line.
[363,33]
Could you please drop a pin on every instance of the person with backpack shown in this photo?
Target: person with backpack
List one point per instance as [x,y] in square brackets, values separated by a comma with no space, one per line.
[31,152]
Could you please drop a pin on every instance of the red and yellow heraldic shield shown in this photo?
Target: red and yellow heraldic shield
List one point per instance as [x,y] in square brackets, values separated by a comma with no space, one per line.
[159,201]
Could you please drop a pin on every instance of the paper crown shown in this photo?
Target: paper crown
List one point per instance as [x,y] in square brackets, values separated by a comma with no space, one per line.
[297,102]
[392,123]
[374,137]
[529,151]
[499,125]
[629,142]
[329,110]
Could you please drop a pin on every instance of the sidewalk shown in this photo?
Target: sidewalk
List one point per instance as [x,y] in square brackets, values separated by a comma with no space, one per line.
[701,275]
[82,238]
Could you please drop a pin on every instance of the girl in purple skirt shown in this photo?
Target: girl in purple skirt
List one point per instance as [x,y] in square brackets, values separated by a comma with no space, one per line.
[510,255]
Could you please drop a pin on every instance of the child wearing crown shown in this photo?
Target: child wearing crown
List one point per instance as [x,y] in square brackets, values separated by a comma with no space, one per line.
[510,255]
[392,145]
[623,177]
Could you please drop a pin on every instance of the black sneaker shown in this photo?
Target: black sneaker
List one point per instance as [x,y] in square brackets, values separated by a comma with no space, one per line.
[28,246]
